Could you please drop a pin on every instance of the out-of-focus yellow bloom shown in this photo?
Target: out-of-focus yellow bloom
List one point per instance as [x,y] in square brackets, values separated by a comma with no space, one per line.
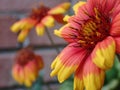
[40,18]
[26,68]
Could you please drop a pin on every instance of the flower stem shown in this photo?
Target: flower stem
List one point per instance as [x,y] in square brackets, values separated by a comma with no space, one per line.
[51,40]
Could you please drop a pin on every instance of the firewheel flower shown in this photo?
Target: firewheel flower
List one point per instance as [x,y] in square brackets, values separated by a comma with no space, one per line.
[27,66]
[40,18]
[93,34]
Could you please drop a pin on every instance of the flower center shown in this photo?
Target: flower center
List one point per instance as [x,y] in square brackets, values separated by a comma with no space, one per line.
[24,56]
[39,13]
[93,30]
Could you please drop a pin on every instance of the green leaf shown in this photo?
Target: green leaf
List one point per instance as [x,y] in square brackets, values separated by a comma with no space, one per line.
[67,85]
[111,74]
[38,83]
[113,84]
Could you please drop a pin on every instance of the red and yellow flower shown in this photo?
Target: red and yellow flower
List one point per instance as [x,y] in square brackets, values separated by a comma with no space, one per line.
[93,34]
[40,18]
[26,68]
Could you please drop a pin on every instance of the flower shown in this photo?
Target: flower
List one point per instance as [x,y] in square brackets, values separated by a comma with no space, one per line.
[93,34]
[26,68]
[40,18]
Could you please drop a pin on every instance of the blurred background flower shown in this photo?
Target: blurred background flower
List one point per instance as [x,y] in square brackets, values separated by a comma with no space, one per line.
[26,67]
[40,17]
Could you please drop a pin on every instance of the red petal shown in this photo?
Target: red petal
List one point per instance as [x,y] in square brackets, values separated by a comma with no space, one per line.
[68,61]
[92,75]
[59,18]
[115,28]
[78,79]
[117,41]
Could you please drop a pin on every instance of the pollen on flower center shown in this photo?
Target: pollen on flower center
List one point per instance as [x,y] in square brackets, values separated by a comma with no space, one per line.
[93,30]
[39,13]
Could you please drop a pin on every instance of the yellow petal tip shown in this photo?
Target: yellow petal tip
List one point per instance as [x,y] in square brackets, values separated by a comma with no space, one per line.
[51,74]
[60,80]
[79,4]
[50,21]
[57,32]
[22,36]
[40,31]
[66,5]
[61,9]
[66,18]
[14,28]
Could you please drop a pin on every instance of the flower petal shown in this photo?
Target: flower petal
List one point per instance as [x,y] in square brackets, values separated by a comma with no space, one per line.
[48,21]
[67,62]
[30,73]
[22,36]
[63,31]
[84,12]
[61,9]
[104,53]
[78,5]
[33,66]
[66,18]
[78,84]
[78,79]
[18,74]
[27,81]
[104,6]
[116,10]
[40,29]
[16,26]
[59,32]
[117,41]
[21,75]
[66,32]
[59,18]
[92,75]
[26,23]
[109,6]
[75,22]
[39,62]
[115,28]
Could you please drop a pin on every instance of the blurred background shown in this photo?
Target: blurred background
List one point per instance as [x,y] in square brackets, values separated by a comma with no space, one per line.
[12,11]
